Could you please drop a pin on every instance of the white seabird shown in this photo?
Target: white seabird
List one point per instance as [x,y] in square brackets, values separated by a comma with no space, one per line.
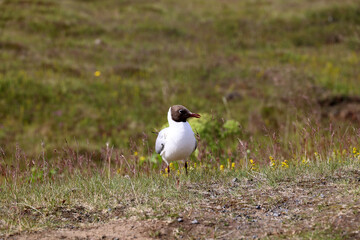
[177,141]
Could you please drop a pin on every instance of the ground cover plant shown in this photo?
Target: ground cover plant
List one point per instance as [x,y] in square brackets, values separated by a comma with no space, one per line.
[84,84]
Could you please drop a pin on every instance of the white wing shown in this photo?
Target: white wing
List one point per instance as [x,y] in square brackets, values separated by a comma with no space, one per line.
[160,141]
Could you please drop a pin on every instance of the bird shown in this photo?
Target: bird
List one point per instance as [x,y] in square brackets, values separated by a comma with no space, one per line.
[177,142]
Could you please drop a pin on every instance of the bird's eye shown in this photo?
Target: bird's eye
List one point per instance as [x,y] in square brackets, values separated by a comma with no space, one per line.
[181,111]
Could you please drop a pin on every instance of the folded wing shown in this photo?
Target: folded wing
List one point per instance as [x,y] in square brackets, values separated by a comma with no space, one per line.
[160,141]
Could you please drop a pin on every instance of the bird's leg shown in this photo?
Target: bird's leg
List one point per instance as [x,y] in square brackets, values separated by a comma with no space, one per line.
[186,166]
[167,169]
[165,161]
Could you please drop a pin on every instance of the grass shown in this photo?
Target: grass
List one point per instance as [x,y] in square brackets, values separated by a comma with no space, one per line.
[76,199]
[84,85]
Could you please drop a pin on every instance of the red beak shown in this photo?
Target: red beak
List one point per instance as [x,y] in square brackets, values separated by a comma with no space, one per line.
[195,115]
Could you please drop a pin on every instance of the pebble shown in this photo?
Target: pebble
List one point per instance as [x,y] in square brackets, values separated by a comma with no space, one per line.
[276,214]
[180,219]
[98,41]
[195,221]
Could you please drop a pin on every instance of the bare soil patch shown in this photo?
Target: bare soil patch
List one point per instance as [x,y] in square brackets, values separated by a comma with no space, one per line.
[119,229]
[341,108]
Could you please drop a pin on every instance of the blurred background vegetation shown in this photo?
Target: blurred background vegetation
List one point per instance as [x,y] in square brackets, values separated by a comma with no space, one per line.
[84,73]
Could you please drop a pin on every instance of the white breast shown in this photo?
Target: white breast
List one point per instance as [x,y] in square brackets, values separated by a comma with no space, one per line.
[180,142]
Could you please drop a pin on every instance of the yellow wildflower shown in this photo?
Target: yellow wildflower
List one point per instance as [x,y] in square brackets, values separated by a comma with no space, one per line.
[356,152]
[272,162]
[252,164]
[233,166]
[135,153]
[164,174]
[142,158]
[221,167]
[171,166]
[284,164]
[97,73]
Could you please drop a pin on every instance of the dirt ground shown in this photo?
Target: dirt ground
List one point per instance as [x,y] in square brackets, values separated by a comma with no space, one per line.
[326,208]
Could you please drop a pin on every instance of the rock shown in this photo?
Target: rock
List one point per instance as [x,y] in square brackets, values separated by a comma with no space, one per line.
[98,41]
[276,214]
[195,221]
[180,219]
